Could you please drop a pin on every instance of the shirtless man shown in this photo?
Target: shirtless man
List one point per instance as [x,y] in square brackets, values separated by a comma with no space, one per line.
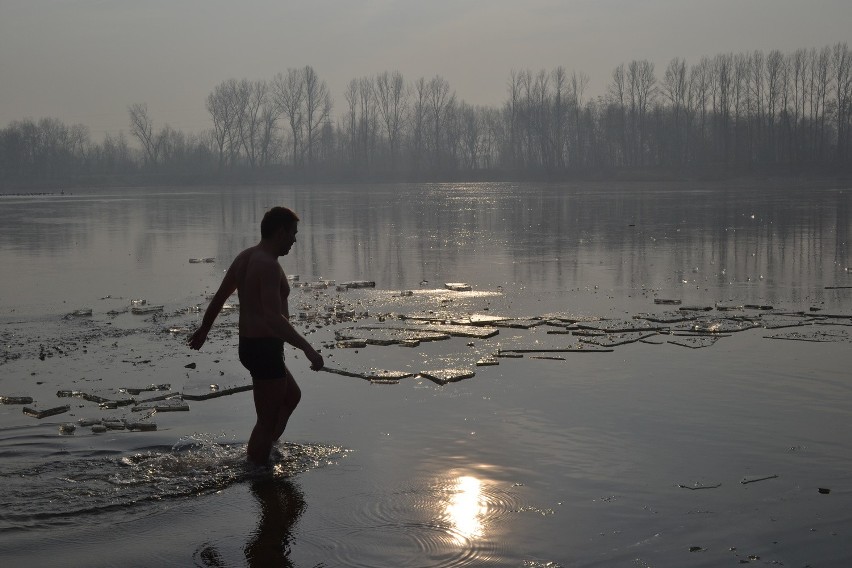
[264,328]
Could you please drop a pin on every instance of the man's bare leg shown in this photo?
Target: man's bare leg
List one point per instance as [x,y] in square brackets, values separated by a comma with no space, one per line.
[268,394]
[286,406]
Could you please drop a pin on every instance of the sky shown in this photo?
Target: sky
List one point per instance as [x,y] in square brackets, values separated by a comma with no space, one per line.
[86,61]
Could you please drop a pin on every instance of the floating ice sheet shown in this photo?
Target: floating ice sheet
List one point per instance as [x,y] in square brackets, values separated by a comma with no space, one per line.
[714,325]
[621,325]
[520,323]
[578,348]
[755,478]
[444,376]
[615,339]
[16,400]
[696,342]
[35,413]
[666,317]
[380,335]
[820,335]
[174,405]
[478,332]
[370,374]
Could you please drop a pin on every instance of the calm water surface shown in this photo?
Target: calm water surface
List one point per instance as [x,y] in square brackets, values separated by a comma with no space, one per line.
[535,462]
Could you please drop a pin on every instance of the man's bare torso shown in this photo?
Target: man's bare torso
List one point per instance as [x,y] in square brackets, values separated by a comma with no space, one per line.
[254,269]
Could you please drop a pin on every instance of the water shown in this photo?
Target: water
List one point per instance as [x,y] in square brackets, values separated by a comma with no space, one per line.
[535,462]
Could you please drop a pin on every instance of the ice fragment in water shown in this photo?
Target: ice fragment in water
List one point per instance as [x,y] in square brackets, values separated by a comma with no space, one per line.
[142,426]
[755,478]
[143,310]
[67,428]
[444,376]
[458,286]
[359,284]
[16,400]
[47,412]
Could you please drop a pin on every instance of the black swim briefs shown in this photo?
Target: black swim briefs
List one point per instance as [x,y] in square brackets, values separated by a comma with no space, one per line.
[263,357]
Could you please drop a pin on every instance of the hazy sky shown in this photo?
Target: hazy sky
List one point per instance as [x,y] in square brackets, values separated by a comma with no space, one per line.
[85,61]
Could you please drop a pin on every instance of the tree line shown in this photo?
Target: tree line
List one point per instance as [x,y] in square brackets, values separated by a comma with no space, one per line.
[766,112]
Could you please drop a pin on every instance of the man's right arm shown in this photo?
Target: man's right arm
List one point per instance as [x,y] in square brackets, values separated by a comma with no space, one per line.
[228,287]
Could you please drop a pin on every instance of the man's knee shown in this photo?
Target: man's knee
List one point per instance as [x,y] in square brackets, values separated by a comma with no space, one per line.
[294,395]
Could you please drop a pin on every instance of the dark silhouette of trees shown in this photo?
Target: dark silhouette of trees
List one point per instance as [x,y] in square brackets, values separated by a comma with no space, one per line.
[767,113]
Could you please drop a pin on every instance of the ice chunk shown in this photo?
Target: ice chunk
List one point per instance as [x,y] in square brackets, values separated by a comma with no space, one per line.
[16,400]
[444,376]
[47,412]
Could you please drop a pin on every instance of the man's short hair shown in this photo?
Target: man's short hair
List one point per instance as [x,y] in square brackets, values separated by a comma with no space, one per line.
[276,218]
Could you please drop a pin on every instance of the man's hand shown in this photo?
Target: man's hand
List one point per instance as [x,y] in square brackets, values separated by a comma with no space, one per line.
[197,339]
[315,358]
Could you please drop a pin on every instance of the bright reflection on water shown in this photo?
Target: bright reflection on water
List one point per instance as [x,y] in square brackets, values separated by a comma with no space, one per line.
[466,508]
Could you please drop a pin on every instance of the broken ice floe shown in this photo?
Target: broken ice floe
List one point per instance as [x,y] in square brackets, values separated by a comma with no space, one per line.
[620,325]
[172,405]
[372,375]
[358,284]
[576,348]
[695,342]
[144,310]
[477,332]
[699,485]
[375,335]
[139,390]
[616,339]
[815,336]
[755,478]
[47,412]
[444,376]
[458,286]
[16,400]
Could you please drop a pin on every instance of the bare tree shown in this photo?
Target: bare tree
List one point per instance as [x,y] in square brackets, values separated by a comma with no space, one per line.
[289,93]
[367,124]
[317,108]
[560,106]
[841,71]
[222,104]
[418,122]
[579,82]
[440,100]
[142,127]
[674,88]
[352,103]
[392,100]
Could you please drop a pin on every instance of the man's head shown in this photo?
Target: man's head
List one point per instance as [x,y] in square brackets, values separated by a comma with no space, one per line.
[279,223]
[275,219]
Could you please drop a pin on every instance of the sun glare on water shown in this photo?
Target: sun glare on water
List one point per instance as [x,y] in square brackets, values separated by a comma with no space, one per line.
[466,508]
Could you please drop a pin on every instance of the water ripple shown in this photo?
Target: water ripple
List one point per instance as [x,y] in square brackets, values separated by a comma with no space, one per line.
[70,489]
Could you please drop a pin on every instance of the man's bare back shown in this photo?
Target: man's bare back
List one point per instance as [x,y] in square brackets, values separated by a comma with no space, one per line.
[253,270]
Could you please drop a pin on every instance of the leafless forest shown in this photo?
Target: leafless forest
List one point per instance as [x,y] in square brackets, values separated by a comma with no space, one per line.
[766,113]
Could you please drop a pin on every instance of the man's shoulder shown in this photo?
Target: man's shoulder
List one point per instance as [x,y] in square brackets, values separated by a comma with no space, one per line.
[256,258]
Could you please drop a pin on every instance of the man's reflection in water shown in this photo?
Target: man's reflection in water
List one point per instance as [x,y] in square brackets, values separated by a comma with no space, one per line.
[281,504]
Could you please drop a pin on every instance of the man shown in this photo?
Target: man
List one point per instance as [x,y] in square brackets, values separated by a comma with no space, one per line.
[264,328]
